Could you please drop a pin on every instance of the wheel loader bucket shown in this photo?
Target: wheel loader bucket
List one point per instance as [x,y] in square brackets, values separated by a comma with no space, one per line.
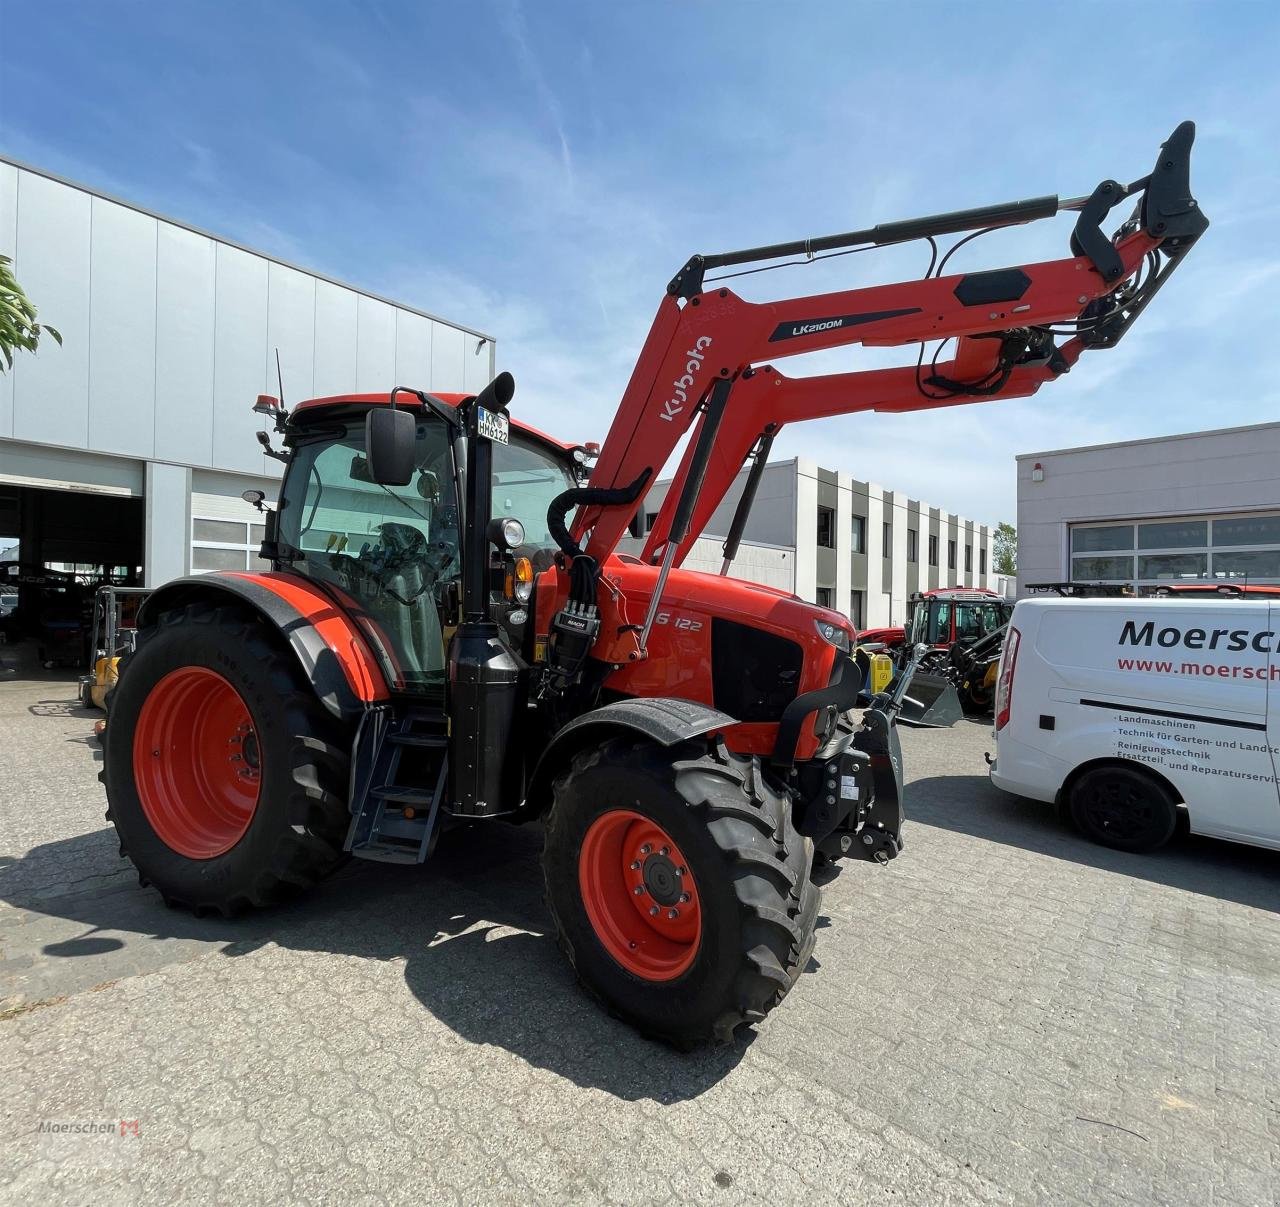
[931,702]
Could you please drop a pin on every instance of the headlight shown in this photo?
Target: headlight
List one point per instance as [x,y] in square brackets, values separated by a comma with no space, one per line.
[833,634]
[523,580]
[506,532]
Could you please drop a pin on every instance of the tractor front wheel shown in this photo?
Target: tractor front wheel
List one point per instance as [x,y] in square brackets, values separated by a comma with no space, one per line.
[679,887]
[225,775]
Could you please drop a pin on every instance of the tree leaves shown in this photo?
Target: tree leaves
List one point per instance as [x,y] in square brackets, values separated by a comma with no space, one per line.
[18,325]
[1005,547]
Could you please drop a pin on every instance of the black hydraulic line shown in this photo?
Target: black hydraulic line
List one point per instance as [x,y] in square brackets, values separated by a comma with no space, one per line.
[688,281]
[749,490]
[588,496]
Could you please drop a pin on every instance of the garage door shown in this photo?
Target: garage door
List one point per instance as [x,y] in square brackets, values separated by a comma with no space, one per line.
[64,469]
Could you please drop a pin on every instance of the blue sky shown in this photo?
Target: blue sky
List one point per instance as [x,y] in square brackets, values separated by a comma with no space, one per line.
[540,171]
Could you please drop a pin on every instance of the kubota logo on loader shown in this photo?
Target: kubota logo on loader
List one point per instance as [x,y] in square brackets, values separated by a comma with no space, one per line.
[681,386]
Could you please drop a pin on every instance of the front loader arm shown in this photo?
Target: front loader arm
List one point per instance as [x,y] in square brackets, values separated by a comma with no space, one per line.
[1001,321]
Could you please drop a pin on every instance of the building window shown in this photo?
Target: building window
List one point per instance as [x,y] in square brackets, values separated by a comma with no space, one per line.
[824,597]
[913,545]
[827,527]
[951,555]
[968,558]
[650,519]
[855,609]
[225,545]
[982,561]
[933,549]
[1180,534]
[859,543]
[1244,548]
[886,536]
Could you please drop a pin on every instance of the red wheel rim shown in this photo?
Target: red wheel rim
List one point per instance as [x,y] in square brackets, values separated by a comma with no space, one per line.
[640,895]
[196,762]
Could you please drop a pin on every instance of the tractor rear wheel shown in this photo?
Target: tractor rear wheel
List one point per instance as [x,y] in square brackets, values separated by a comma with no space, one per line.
[679,887]
[225,775]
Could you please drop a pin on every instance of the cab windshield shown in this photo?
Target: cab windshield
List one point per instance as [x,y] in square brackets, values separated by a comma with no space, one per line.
[526,479]
[396,550]
[972,620]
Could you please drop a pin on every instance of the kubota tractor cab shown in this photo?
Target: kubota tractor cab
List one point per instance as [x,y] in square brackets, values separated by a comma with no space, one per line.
[449,637]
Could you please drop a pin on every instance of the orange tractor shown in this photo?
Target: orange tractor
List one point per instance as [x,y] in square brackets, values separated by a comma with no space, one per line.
[449,637]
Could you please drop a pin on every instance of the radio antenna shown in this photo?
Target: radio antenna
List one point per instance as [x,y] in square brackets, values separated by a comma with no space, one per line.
[280,379]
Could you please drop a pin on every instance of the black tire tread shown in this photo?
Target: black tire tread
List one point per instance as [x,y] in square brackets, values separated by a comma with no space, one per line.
[777,901]
[311,846]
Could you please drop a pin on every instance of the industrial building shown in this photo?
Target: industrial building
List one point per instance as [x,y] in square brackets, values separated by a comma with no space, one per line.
[128,446]
[839,542]
[1202,505]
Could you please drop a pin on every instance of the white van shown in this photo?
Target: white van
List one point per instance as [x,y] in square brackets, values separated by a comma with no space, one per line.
[1125,710]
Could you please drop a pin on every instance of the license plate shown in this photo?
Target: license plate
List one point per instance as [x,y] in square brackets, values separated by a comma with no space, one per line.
[491,425]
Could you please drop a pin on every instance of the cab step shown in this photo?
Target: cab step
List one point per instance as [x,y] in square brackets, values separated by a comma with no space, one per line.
[379,828]
[394,794]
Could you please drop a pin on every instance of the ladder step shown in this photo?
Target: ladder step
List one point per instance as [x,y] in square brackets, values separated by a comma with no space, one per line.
[387,852]
[395,794]
[431,741]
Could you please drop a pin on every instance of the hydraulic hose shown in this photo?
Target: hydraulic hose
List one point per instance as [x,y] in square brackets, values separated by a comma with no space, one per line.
[587,496]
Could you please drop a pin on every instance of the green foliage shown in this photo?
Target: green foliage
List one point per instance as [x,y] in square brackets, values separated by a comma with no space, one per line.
[1005,545]
[18,326]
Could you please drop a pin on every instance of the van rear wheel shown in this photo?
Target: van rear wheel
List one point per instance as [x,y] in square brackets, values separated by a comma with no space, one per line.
[1124,808]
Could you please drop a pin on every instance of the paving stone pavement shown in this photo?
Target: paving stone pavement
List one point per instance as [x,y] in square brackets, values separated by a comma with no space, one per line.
[1005,1014]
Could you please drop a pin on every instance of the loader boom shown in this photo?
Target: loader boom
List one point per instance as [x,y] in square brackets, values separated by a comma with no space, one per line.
[707,361]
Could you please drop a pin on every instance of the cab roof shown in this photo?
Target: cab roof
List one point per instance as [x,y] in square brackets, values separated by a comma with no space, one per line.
[410,403]
[960,593]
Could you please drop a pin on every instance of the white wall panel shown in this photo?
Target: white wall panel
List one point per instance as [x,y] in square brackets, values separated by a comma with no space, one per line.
[122,331]
[878,591]
[185,272]
[8,246]
[51,388]
[167,522]
[170,334]
[477,367]
[291,328]
[448,352]
[240,358]
[335,360]
[413,350]
[375,346]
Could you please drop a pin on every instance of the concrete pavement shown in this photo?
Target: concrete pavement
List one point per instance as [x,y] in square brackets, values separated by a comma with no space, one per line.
[1005,1014]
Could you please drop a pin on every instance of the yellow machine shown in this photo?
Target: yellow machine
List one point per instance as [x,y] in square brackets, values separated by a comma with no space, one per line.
[114,613]
[876,666]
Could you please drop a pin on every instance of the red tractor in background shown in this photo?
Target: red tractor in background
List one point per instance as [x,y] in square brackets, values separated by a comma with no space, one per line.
[439,644]
[961,631]
[941,617]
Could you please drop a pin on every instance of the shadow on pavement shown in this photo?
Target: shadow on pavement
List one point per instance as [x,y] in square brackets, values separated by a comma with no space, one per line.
[969,804]
[470,926]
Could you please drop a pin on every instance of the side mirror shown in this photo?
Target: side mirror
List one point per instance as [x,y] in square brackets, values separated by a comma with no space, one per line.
[390,439]
[635,525]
